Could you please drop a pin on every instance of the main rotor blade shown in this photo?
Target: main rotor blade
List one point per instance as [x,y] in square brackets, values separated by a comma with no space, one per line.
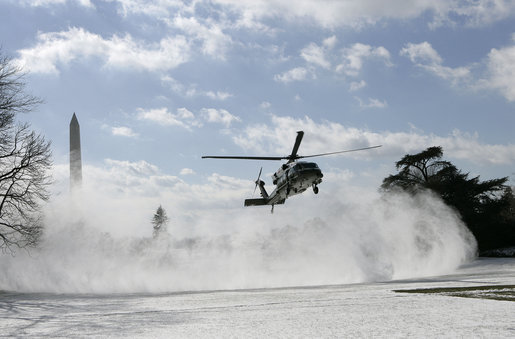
[242,157]
[293,154]
[330,153]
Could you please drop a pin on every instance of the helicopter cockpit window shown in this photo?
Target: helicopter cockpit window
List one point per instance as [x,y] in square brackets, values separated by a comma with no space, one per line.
[309,165]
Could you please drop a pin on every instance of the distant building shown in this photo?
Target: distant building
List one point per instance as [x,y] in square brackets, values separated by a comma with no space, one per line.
[75,154]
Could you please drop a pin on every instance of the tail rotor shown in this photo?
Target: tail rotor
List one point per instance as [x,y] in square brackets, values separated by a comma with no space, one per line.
[257,181]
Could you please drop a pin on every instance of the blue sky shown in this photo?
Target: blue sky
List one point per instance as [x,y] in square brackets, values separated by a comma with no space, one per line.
[157,84]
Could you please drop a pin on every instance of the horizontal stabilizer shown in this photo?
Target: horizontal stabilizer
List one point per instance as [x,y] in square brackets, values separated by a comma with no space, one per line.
[256,202]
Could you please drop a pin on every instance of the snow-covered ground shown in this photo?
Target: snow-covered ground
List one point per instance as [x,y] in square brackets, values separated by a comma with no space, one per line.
[355,310]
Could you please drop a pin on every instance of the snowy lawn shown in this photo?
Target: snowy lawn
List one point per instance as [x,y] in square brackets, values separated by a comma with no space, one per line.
[356,310]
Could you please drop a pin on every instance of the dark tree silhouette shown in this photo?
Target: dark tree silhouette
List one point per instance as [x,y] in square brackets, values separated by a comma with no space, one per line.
[13,99]
[483,205]
[25,159]
[422,170]
[159,221]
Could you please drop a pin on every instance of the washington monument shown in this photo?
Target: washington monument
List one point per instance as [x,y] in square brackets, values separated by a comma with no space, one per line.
[75,157]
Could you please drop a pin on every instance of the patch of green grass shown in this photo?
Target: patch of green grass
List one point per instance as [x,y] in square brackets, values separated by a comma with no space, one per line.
[493,292]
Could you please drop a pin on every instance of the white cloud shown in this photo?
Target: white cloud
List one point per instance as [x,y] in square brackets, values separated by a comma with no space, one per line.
[62,48]
[498,65]
[140,185]
[354,56]
[277,137]
[356,14]
[183,118]
[219,116]
[355,85]
[192,90]
[162,9]
[477,13]
[218,95]
[423,55]
[214,41]
[326,136]
[295,74]
[187,171]
[253,14]
[141,167]
[330,42]
[321,55]
[123,131]
[371,103]
[501,71]
[120,179]
[324,12]
[186,119]
[315,54]
[265,105]
[47,3]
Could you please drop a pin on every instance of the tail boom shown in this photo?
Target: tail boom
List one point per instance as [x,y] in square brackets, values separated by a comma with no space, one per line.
[256,202]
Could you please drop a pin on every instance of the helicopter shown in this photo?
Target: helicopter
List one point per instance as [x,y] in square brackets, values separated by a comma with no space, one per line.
[293,177]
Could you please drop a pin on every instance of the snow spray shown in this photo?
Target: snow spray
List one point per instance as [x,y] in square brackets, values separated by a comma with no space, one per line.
[104,244]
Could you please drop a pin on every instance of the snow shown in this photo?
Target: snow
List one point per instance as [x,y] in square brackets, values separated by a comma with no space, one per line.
[374,238]
[353,310]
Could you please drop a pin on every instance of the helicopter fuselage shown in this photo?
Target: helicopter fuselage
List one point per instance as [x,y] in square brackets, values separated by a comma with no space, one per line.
[290,179]
[296,177]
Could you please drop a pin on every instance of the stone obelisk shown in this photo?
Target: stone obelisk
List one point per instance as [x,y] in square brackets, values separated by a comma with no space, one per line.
[75,156]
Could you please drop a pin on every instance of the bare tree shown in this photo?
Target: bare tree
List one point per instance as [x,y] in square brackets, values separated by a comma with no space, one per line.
[25,159]
[13,99]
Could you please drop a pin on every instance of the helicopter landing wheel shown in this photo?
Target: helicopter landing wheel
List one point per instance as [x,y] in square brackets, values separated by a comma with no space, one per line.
[315,189]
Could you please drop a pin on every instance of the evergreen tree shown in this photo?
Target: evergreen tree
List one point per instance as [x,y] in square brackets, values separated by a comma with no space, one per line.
[483,205]
[159,221]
